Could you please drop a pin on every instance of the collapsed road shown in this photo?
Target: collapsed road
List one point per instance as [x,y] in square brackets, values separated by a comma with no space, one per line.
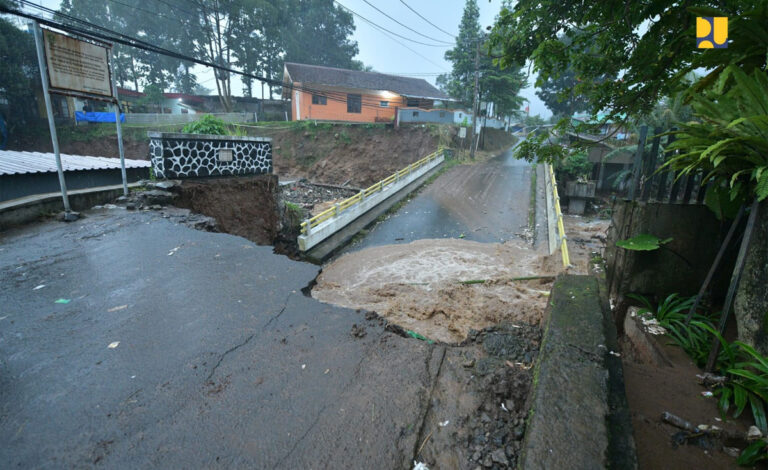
[131,340]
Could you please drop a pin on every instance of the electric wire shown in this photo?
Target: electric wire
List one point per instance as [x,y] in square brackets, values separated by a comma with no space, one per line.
[385,29]
[407,27]
[423,18]
[139,44]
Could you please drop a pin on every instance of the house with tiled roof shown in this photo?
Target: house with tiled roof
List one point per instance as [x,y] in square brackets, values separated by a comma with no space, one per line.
[332,94]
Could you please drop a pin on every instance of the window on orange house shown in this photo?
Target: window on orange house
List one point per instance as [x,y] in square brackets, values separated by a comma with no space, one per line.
[319,99]
[354,103]
[384,104]
[412,102]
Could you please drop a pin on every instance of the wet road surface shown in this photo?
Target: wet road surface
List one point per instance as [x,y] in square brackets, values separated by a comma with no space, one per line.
[486,202]
[217,359]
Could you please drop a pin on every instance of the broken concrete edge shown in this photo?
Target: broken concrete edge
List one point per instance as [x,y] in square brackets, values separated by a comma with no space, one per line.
[578,416]
[31,208]
[327,247]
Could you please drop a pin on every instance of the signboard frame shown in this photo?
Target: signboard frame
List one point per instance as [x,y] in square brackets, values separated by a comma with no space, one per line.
[111,98]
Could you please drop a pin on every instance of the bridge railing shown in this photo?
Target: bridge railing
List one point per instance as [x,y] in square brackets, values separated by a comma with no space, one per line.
[349,203]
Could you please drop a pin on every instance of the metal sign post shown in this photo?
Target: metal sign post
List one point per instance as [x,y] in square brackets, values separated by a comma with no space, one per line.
[116,105]
[51,123]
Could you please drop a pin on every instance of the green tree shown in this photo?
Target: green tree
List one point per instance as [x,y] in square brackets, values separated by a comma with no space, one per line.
[318,34]
[460,82]
[559,96]
[19,74]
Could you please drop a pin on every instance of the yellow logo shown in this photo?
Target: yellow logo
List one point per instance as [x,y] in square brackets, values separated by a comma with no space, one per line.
[712,32]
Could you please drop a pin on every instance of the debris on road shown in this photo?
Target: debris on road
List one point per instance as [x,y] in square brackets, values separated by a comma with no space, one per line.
[62,301]
[113,344]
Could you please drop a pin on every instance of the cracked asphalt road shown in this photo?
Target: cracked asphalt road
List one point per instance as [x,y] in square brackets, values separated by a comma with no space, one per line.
[222,361]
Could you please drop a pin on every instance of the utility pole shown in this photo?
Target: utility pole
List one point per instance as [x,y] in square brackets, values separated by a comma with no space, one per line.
[474,102]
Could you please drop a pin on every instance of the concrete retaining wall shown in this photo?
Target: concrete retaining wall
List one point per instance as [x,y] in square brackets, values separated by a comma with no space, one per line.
[579,417]
[680,266]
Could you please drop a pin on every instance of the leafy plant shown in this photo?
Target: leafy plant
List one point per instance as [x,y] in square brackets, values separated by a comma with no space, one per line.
[746,370]
[730,142]
[754,453]
[575,166]
[208,124]
[643,242]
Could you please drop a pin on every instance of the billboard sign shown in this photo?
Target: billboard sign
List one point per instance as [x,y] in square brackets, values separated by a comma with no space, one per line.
[75,66]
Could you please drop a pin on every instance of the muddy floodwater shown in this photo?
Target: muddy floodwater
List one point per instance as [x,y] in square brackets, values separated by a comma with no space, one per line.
[432,286]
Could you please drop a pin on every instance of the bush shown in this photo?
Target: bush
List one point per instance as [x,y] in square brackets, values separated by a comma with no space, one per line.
[575,166]
[209,124]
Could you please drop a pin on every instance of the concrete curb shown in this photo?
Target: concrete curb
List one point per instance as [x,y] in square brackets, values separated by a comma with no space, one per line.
[573,420]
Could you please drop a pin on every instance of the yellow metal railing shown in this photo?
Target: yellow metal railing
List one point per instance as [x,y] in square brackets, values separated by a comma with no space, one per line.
[337,209]
[560,225]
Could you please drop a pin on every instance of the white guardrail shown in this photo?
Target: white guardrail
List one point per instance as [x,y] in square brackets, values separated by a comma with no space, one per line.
[326,223]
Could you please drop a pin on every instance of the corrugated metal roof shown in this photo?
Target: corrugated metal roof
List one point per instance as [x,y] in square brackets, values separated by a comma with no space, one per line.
[13,162]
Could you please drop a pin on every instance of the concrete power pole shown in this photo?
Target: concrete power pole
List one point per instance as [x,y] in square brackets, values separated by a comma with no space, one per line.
[474,103]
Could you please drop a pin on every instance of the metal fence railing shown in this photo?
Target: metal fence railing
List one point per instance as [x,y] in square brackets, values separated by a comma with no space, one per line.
[650,184]
[559,215]
[307,225]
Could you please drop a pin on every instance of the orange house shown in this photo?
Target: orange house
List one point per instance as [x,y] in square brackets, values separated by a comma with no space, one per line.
[330,94]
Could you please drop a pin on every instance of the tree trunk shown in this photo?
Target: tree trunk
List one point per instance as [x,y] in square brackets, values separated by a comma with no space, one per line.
[751,304]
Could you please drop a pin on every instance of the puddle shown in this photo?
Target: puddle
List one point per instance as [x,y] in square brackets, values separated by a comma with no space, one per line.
[419,285]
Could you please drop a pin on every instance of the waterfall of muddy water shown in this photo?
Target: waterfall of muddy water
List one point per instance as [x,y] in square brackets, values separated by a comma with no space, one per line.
[416,285]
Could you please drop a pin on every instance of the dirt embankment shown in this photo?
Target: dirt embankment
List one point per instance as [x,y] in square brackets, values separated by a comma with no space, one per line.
[246,206]
[358,155]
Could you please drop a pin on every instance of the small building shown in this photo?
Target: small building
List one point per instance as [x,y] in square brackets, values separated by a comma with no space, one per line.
[331,94]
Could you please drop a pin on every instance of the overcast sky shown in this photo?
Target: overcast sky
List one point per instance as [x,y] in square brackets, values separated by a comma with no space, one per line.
[389,54]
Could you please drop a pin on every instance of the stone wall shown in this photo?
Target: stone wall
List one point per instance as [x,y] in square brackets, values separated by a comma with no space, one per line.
[195,155]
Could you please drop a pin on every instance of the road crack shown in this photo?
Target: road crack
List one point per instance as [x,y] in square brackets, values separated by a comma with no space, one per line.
[247,340]
[230,350]
[417,444]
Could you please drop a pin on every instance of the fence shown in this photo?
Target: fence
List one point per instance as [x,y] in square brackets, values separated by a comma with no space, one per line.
[553,201]
[157,118]
[649,184]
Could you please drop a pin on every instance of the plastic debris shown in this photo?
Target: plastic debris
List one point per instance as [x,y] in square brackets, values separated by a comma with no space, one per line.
[614,353]
[39,287]
[62,301]
[419,466]
[113,344]
[443,424]
[707,394]
[170,253]
[119,307]
[415,335]
[504,408]
[303,366]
